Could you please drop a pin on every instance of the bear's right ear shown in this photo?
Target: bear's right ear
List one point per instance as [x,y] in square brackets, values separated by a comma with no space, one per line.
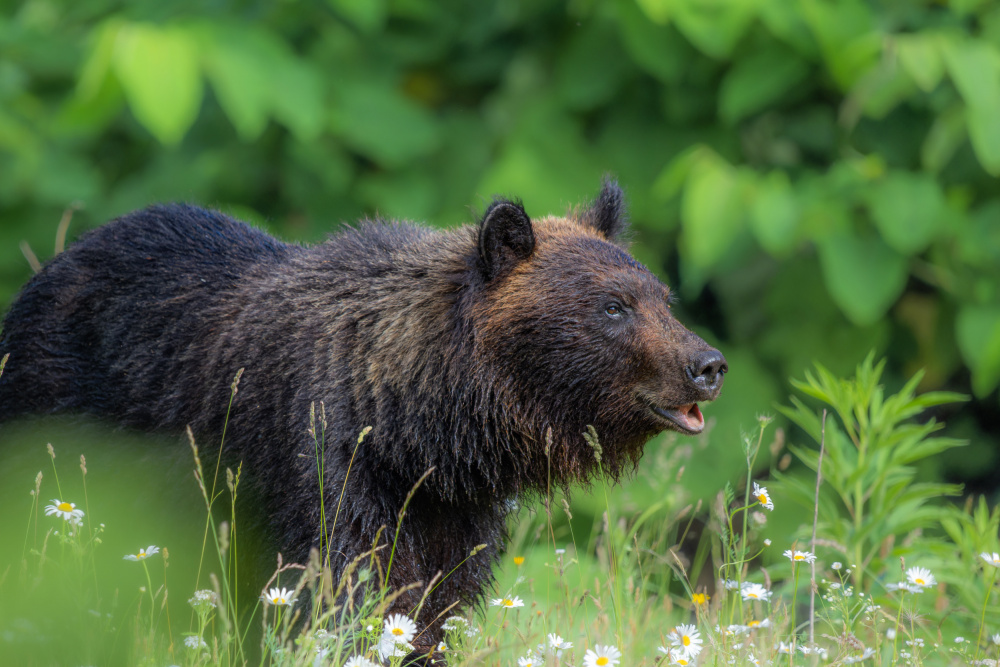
[505,237]
[607,213]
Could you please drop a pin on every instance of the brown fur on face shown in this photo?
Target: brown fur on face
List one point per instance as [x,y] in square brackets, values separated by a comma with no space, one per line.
[461,349]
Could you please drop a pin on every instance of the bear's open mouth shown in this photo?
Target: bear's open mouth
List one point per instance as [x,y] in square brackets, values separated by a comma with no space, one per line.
[687,418]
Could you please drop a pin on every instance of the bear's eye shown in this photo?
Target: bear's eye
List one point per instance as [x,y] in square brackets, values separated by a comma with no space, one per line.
[614,310]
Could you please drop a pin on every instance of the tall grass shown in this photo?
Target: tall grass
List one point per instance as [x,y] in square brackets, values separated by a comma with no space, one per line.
[669,584]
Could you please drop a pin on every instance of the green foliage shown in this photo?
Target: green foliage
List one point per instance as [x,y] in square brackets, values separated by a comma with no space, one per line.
[816,179]
[869,451]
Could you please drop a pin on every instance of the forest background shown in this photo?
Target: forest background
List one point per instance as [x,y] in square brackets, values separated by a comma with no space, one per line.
[816,178]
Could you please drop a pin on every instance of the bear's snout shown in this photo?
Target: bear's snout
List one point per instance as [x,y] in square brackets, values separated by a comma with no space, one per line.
[705,371]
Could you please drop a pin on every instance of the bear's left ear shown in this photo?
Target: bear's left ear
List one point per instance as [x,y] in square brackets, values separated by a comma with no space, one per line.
[607,213]
[505,237]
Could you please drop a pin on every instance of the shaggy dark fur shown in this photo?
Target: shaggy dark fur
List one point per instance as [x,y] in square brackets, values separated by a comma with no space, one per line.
[460,348]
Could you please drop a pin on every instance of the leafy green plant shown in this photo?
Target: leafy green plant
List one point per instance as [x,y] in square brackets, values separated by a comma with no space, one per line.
[870,448]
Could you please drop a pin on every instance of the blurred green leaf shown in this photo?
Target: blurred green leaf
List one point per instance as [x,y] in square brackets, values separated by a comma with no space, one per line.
[714,26]
[759,81]
[658,49]
[845,30]
[592,68]
[160,74]
[380,123]
[920,56]
[974,66]
[978,332]
[908,209]
[946,135]
[774,215]
[864,275]
[712,211]
[368,15]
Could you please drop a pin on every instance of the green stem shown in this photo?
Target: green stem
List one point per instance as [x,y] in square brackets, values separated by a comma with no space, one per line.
[982,615]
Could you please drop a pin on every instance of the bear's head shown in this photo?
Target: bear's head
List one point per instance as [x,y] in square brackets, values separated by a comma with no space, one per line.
[576,332]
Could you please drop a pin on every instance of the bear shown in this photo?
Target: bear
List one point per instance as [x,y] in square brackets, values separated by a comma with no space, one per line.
[482,354]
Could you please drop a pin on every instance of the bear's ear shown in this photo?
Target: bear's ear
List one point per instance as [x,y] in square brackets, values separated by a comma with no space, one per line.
[505,237]
[607,213]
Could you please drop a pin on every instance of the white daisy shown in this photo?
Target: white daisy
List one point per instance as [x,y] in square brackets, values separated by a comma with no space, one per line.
[785,648]
[920,576]
[755,592]
[761,495]
[765,623]
[991,558]
[359,661]
[800,556]
[508,602]
[556,642]
[399,628]
[837,565]
[529,660]
[602,656]
[683,660]
[281,597]
[144,553]
[687,639]
[995,639]
[63,510]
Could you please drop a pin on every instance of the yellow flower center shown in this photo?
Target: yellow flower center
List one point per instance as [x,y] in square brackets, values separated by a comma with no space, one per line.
[518,560]
[799,557]
[752,595]
[508,603]
[681,661]
[603,660]
[919,581]
[397,631]
[142,554]
[65,507]
[279,601]
[686,640]
[753,624]
[762,499]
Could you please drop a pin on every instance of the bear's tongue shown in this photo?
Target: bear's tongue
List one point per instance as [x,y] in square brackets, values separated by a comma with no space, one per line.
[690,417]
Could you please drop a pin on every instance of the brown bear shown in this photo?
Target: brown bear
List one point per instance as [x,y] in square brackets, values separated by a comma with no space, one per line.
[461,349]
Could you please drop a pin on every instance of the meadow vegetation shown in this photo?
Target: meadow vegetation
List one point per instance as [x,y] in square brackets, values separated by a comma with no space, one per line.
[887,571]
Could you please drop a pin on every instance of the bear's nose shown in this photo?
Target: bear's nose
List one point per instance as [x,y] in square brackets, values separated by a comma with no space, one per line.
[706,370]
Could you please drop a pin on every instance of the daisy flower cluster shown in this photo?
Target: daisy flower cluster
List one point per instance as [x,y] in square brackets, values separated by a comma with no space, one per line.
[397,634]
[685,645]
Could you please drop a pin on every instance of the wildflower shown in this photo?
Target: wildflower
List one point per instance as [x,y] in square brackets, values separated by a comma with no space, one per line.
[144,553]
[390,648]
[765,623]
[508,602]
[519,560]
[959,640]
[767,542]
[359,661]
[785,648]
[890,633]
[527,661]
[687,639]
[755,592]
[204,600]
[281,597]
[399,628]
[560,552]
[920,576]
[837,565]
[995,639]
[556,643]
[732,585]
[761,496]
[195,642]
[700,598]
[800,556]
[602,656]
[455,623]
[63,510]
[991,558]
[919,641]
[905,587]
[683,660]
[753,660]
